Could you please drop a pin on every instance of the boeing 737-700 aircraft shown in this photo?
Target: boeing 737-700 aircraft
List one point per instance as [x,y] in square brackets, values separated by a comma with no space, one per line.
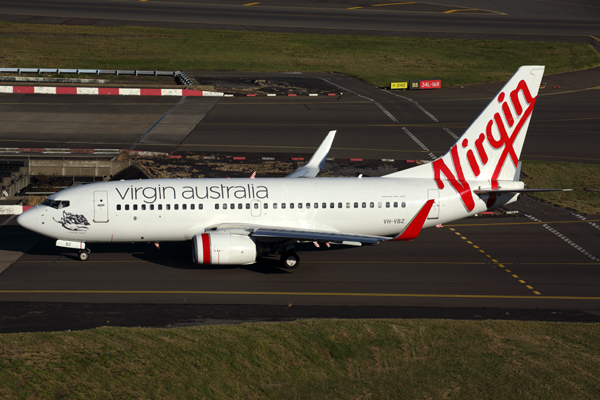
[236,221]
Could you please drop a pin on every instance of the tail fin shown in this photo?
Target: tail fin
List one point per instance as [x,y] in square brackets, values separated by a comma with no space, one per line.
[490,148]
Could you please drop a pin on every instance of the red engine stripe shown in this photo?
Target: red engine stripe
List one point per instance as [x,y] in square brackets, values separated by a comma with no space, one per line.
[205,248]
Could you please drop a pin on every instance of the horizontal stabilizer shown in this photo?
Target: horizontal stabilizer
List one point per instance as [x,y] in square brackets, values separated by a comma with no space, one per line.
[500,191]
[317,161]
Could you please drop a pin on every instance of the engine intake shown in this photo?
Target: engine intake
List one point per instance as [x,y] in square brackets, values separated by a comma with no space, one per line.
[224,249]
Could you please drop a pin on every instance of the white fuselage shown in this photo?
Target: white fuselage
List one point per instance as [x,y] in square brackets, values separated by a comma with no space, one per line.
[177,209]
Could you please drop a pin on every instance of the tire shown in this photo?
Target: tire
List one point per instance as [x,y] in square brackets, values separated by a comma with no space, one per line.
[289,260]
[84,255]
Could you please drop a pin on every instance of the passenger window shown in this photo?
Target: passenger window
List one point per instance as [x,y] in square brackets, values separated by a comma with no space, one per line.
[232,206]
[144,207]
[126,207]
[151,206]
[364,205]
[275,205]
[395,204]
[247,206]
[192,206]
[347,205]
[324,205]
[379,205]
[184,206]
[307,205]
[216,206]
[291,205]
[387,204]
[331,205]
[160,206]
[118,207]
[355,205]
[316,205]
[299,205]
[176,207]
[200,206]
[135,207]
[265,205]
[339,205]
[403,204]
[224,206]
[167,206]
[282,205]
[371,204]
[255,206]
[240,206]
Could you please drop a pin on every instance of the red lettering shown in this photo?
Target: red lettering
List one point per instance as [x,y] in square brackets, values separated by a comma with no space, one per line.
[514,96]
[481,149]
[473,163]
[460,185]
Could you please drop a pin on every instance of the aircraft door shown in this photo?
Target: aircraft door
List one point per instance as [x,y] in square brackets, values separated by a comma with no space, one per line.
[255,208]
[100,206]
[434,194]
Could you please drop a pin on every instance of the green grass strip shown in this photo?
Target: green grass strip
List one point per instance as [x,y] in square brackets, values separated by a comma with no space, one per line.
[584,179]
[308,359]
[376,60]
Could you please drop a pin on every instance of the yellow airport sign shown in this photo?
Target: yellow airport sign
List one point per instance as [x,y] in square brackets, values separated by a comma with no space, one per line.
[399,85]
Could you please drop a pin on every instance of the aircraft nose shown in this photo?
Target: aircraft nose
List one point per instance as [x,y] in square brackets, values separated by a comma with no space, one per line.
[28,220]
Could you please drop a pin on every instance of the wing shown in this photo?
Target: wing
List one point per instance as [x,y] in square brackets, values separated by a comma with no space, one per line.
[411,231]
[315,164]
[311,235]
[260,231]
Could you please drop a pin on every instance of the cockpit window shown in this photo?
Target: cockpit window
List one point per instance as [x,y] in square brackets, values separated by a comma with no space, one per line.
[58,204]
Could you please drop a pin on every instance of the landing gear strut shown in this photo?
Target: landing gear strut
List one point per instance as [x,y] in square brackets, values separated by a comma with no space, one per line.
[84,254]
[289,259]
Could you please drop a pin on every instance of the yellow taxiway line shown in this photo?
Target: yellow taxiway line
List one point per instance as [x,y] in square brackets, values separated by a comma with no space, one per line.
[213,292]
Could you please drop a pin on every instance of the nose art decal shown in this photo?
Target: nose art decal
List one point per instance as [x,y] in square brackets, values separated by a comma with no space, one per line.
[73,222]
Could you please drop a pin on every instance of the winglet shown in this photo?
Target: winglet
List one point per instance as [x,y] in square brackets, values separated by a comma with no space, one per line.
[317,161]
[414,227]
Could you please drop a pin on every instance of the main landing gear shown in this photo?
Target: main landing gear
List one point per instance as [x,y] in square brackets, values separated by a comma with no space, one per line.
[289,259]
[84,254]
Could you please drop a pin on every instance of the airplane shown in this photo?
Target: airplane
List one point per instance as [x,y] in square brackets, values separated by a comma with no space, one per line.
[237,221]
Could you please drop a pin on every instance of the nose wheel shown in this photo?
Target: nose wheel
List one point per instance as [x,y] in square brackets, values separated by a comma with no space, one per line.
[289,260]
[84,254]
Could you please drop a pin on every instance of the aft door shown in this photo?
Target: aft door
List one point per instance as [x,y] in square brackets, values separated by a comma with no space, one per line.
[101,206]
[434,194]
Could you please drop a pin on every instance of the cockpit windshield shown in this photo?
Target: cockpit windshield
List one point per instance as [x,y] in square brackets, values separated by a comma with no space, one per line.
[58,204]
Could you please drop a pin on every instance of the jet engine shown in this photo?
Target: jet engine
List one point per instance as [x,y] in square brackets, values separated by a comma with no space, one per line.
[224,248]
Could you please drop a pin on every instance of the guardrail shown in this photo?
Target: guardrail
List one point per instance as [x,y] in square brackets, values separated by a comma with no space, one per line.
[177,74]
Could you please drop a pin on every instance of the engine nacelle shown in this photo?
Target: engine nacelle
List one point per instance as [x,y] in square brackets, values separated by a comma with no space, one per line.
[224,249]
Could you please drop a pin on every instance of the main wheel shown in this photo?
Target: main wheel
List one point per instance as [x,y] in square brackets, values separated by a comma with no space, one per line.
[84,255]
[289,260]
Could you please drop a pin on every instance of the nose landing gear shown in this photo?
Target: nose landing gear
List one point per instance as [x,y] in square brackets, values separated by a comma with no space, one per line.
[84,254]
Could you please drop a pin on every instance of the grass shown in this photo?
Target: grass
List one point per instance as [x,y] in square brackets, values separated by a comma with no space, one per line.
[308,359]
[376,60]
[584,179]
